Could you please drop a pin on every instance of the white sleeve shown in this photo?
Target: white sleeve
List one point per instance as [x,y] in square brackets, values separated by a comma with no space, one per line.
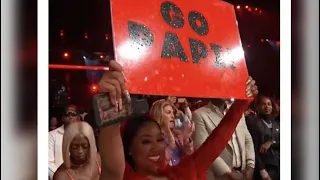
[52,166]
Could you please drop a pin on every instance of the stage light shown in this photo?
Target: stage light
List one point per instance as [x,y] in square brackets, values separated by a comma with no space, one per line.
[256,9]
[86,35]
[107,36]
[262,40]
[94,88]
[247,7]
[260,11]
[238,7]
[66,55]
[267,39]
[101,56]
[61,33]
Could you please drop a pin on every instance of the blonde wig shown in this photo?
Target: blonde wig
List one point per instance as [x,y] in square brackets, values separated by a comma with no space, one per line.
[156,112]
[73,130]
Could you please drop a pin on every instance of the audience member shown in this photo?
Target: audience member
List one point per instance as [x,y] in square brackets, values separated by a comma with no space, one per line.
[237,160]
[55,139]
[265,131]
[80,158]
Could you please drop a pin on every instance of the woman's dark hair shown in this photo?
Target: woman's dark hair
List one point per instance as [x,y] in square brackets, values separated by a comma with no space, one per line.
[132,126]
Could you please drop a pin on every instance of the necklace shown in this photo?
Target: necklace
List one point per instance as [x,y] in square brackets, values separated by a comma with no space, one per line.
[269,125]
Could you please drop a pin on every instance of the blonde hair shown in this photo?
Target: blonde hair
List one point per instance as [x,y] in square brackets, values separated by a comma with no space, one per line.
[72,131]
[156,112]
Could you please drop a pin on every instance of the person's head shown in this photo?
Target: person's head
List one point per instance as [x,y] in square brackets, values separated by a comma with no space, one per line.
[70,115]
[144,145]
[53,121]
[163,111]
[220,103]
[78,145]
[265,106]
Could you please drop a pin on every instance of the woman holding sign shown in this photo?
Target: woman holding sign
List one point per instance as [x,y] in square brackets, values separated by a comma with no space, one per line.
[140,154]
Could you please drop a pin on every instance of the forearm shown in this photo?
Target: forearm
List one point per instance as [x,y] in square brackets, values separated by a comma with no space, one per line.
[111,152]
[188,112]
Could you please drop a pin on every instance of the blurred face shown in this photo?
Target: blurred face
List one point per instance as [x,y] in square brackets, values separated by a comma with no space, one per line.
[265,106]
[54,121]
[70,116]
[168,116]
[79,149]
[148,149]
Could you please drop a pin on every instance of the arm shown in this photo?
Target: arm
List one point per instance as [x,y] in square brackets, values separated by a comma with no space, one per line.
[250,154]
[257,141]
[276,139]
[219,166]
[111,152]
[187,112]
[52,166]
[219,137]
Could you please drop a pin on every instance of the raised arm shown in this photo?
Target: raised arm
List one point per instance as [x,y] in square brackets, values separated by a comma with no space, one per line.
[110,142]
[219,137]
[111,153]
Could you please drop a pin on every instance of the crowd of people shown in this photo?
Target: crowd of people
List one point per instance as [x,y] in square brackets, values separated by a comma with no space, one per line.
[180,138]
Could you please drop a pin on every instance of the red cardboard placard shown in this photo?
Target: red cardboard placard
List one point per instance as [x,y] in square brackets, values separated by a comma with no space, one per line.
[179,47]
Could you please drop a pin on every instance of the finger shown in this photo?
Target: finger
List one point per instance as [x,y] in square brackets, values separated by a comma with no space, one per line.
[115,66]
[106,87]
[249,80]
[252,83]
[119,77]
[116,84]
[249,94]
[254,88]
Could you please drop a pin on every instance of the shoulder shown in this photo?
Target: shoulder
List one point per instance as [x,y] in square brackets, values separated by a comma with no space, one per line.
[61,174]
[56,131]
[197,114]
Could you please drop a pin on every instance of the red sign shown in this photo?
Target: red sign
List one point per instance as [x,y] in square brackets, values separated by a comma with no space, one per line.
[179,48]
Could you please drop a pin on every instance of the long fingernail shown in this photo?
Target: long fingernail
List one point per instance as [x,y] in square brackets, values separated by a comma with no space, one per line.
[120,104]
[127,95]
[116,108]
[113,102]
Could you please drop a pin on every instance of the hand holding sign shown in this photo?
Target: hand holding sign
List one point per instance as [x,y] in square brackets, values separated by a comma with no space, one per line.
[114,104]
[180,48]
